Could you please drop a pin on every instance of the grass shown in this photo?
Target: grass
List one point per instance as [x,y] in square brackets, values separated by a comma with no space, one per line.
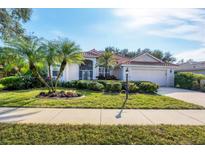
[1,86]
[27,98]
[93,134]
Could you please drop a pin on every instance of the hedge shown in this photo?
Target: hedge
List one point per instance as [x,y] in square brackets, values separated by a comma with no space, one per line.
[188,80]
[114,86]
[20,82]
[26,82]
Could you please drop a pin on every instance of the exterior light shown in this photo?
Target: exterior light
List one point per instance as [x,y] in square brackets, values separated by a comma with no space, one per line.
[127,71]
[127,82]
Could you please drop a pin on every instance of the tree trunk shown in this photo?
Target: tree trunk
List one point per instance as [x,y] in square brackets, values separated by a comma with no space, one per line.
[62,67]
[39,77]
[50,77]
[106,70]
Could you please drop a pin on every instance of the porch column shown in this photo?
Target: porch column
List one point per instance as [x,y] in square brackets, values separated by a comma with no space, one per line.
[95,71]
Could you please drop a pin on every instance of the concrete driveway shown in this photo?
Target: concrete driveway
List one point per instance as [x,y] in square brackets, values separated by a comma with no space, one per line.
[190,96]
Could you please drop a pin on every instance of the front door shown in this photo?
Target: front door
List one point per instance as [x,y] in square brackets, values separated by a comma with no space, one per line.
[86,75]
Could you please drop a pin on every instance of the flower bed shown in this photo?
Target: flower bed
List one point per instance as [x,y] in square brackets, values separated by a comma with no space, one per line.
[61,94]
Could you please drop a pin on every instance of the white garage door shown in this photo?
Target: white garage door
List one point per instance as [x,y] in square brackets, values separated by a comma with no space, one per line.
[156,76]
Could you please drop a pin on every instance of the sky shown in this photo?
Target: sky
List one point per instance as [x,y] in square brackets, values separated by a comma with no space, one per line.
[179,31]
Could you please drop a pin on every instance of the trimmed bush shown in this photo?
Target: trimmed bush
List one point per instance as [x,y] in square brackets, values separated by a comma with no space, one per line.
[95,86]
[116,87]
[202,88]
[108,87]
[148,87]
[12,83]
[109,77]
[82,84]
[74,83]
[104,82]
[195,85]
[188,80]
[20,82]
[133,88]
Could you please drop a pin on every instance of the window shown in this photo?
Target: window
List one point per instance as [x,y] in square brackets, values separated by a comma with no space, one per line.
[102,71]
[55,70]
[86,70]
[55,73]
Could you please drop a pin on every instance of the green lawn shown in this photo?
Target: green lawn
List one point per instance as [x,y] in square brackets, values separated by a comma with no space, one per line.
[27,98]
[1,86]
[92,134]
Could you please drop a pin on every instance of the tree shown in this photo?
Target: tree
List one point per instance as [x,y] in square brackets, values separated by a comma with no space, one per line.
[164,56]
[68,53]
[11,62]
[168,57]
[51,58]
[112,49]
[107,61]
[11,21]
[158,54]
[30,49]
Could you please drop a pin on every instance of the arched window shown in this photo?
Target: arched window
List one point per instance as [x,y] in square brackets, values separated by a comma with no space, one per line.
[86,70]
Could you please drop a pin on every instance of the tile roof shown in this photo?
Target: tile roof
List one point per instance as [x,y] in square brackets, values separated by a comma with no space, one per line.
[149,63]
[92,54]
[124,60]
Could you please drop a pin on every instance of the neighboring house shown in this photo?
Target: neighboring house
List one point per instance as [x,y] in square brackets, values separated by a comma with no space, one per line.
[191,66]
[141,68]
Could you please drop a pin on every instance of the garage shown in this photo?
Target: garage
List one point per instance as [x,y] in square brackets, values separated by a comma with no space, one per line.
[156,76]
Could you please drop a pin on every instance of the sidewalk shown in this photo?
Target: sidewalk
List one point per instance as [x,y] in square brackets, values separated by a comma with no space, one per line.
[102,116]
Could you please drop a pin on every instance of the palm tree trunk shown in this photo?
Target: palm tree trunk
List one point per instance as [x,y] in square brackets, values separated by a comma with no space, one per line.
[62,67]
[50,77]
[39,77]
[106,70]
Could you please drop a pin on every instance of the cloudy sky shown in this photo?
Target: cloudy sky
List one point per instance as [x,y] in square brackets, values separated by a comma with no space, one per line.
[180,31]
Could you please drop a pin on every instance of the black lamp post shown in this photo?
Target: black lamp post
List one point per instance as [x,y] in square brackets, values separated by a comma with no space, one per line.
[127,86]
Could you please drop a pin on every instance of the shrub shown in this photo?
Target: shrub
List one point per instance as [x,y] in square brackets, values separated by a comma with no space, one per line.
[133,88]
[116,87]
[72,84]
[104,82]
[101,77]
[82,84]
[195,85]
[109,77]
[108,87]
[123,83]
[202,88]
[188,80]
[12,83]
[148,87]
[95,86]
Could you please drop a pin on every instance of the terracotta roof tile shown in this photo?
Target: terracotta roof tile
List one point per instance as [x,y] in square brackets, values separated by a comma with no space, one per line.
[123,60]
[149,63]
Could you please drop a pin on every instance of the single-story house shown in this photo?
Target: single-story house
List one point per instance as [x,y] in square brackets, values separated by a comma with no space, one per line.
[192,66]
[144,67]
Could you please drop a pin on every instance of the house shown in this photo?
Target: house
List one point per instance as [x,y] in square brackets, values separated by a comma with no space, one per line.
[144,67]
[191,66]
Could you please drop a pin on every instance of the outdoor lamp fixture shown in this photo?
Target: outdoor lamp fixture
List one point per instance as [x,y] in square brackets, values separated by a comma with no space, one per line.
[127,88]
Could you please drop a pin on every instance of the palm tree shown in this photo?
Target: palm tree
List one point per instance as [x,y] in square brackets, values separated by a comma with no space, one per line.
[107,61]
[68,53]
[31,49]
[51,58]
[11,62]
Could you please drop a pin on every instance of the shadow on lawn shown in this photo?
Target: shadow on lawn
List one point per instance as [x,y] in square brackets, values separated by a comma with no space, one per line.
[12,102]
[119,115]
